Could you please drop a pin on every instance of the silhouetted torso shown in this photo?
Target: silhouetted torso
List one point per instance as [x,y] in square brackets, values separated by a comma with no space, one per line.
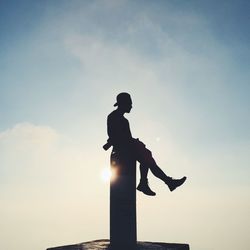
[119,131]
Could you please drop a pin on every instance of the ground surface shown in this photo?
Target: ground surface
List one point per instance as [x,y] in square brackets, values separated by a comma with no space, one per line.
[104,245]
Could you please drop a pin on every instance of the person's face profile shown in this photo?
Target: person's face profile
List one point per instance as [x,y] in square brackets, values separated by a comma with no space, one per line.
[129,107]
[126,106]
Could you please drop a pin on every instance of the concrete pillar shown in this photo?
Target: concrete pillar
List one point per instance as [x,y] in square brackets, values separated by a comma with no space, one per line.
[123,202]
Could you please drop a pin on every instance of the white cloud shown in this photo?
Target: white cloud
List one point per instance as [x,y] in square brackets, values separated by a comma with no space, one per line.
[44,179]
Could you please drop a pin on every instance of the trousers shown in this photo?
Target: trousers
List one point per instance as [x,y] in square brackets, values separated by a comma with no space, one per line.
[146,160]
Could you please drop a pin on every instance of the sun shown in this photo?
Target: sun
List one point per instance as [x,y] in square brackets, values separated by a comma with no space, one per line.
[106,174]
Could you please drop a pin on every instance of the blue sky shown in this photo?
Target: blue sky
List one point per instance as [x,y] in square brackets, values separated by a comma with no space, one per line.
[186,65]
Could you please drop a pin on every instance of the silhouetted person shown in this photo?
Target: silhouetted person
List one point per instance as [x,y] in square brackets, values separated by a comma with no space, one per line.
[121,139]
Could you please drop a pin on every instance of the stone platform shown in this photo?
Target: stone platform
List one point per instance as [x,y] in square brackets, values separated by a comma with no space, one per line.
[141,245]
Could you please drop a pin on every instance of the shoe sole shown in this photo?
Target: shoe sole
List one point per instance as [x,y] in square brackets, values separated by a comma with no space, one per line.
[146,193]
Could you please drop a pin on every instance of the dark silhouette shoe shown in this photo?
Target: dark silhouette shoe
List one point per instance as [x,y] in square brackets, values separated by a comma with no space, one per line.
[144,187]
[174,183]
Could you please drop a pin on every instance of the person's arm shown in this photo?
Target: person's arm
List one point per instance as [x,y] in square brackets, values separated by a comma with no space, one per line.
[107,145]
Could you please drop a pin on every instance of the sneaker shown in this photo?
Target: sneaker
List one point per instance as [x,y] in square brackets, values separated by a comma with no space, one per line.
[174,183]
[144,187]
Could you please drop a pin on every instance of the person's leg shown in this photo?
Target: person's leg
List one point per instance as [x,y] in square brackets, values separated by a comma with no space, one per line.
[171,183]
[143,185]
[143,172]
[157,172]
[148,162]
[140,154]
[144,156]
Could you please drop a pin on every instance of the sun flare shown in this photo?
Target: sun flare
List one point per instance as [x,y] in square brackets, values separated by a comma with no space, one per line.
[106,174]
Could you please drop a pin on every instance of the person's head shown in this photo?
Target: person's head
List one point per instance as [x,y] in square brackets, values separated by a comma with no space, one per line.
[124,102]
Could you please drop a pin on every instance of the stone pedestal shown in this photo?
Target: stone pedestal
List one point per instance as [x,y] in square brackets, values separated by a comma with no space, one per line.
[105,245]
[123,202]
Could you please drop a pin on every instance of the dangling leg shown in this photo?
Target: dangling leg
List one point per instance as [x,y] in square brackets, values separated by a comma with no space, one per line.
[144,156]
[143,185]
[151,164]
[143,172]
